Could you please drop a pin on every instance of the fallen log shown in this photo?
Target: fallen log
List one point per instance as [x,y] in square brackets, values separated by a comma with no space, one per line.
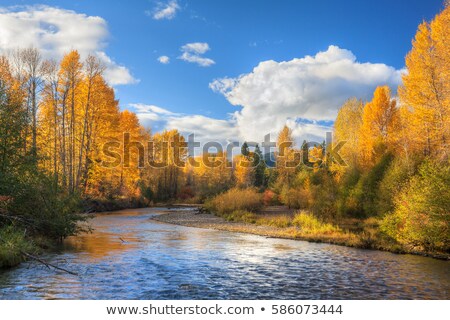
[47,264]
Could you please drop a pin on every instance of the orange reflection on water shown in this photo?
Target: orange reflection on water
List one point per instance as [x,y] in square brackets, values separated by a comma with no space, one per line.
[102,242]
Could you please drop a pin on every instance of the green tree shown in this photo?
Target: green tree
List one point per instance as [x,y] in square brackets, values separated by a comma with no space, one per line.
[13,121]
[260,168]
[422,216]
[245,150]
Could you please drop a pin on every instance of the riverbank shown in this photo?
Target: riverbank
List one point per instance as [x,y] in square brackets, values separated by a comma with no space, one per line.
[17,245]
[364,240]
[130,256]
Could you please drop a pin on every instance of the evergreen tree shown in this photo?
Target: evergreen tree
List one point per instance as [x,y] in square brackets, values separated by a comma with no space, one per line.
[260,168]
[244,150]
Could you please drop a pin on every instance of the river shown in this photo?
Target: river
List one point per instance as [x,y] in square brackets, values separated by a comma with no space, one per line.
[130,256]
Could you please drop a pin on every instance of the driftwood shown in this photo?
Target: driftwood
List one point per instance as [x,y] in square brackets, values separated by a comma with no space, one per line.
[201,210]
[47,264]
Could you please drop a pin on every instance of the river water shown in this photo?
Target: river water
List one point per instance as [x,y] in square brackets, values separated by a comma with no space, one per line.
[130,256]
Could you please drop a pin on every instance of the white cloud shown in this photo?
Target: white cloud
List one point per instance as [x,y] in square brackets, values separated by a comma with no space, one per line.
[223,85]
[311,88]
[146,108]
[115,74]
[204,128]
[196,47]
[193,58]
[164,59]
[192,53]
[57,31]
[165,10]
[304,94]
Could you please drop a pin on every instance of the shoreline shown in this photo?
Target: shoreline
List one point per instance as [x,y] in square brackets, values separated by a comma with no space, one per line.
[193,219]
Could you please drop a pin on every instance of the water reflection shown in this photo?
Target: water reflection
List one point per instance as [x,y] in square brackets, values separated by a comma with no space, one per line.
[129,256]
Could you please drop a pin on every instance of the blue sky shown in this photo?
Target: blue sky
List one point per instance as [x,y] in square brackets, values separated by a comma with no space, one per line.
[237,36]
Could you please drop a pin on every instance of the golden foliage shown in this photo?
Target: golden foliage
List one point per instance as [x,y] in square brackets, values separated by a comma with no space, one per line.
[379,124]
[243,171]
[236,199]
[346,128]
[425,93]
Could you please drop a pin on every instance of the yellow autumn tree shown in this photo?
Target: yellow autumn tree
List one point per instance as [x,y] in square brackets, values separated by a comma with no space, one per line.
[134,139]
[209,174]
[244,171]
[426,87]
[103,127]
[70,77]
[78,115]
[285,158]
[347,128]
[166,172]
[379,124]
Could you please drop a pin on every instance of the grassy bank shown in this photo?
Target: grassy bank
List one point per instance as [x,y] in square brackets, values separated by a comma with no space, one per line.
[244,206]
[280,223]
[20,238]
[304,226]
[13,246]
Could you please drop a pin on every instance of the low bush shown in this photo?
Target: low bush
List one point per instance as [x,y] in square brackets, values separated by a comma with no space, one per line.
[295,198]
[241,216]
[270,198]
[13,244]
[235,199]
[311,225]
[421,217]
[41,207]
[394,180]
[280,221]
[324,198]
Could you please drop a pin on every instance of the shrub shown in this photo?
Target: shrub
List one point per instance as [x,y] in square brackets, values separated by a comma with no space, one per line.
[347,204]
[311,225]
[298,198]
[280,221]
[235,199]
[186,193]
[270,198]
[324,197]
[241,216]
[12,244]
[422,209]
[45,209]
[370,184]
[359,195]
[393,181]
[291,197]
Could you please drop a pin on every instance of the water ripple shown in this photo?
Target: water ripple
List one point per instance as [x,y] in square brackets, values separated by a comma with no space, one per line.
[131,257]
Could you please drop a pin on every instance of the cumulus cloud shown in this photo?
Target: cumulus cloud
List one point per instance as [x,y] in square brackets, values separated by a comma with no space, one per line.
[165,10]
[115,74]
[57,31]
[164,59]
[150,108]
[192,58]
[204,128]
[311,88]
[303,94]
[192,52]
[196,47]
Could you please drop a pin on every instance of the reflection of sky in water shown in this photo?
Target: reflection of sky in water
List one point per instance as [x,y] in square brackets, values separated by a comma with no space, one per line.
[129,256]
